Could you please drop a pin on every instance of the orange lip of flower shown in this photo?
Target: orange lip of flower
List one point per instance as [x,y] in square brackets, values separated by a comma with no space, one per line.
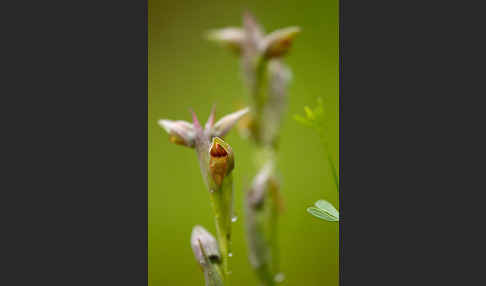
[218,151]
[221,160]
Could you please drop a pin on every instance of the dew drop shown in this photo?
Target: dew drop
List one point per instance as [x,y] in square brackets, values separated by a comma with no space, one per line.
[230,254]
[234,219]
[279,278]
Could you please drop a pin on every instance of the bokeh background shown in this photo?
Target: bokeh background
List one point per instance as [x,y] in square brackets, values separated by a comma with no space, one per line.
[186,71]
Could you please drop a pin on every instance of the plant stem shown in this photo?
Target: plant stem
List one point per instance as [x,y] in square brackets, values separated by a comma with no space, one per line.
[260,233]
[222,202]
[262,217]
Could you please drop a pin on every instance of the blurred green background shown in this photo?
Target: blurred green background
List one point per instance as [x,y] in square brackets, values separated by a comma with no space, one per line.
[186,71]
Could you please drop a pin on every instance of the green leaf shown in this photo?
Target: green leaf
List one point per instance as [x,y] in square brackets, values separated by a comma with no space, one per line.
[313,117]
[302,120]
[327,206]
[324,210]
[309,112]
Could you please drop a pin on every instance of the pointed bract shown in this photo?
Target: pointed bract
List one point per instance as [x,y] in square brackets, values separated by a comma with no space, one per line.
[278,43]
[252,47]
[250,24]
[210,122]
[195,122]
[253,32]
[224,125]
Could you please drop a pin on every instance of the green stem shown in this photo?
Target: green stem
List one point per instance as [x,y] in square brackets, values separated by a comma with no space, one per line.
[259,230]
[222,202]
[259,99]
[213,278]
[262,221]
[213,275]
[273,220]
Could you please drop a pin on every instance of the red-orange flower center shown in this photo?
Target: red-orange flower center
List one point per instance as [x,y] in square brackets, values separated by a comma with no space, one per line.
[218,151]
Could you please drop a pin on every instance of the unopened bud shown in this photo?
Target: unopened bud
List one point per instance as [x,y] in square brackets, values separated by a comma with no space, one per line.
[256,194]
[221,161]
[278,43]
[231,38]
[204,246]
[180,132]
[278,77]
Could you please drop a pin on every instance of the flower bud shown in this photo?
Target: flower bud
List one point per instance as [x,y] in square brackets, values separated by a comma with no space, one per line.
[204,246]
[278,78]
[180,132]
[231,38]
[256,194]
[278,42]
[221,161]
